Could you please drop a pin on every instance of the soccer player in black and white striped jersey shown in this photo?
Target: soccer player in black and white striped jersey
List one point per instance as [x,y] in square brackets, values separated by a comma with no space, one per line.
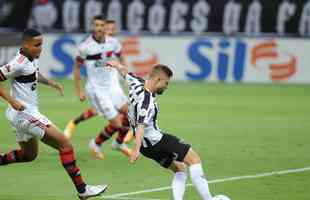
[168,150]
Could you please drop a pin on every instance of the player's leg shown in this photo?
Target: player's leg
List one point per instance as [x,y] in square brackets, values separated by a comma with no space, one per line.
[119,142]
[122,124]
[55,139]
[114,125]
[105,107]
[27,129]
[102,137]
[124,110]
[180,151]
[87,114]
[28,152]
[120,102]
[179,180]
[199,180]
[70,127]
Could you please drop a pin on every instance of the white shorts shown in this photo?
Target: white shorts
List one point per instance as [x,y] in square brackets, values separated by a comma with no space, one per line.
[28,124]
[107,103]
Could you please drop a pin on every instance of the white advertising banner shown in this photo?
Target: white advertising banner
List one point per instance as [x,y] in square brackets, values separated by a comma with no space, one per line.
[214,59]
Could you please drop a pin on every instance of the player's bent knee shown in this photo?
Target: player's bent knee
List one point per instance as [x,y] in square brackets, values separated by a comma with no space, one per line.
[192,157]
[124,109]
[66,146]
[30,157]
[116,122]
[93,111]
[178,167]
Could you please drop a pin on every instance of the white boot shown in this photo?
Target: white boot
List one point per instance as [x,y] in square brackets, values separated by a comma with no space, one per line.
[92,191]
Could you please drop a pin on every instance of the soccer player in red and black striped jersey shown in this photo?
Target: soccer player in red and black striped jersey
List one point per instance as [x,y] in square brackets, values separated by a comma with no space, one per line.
[24,116]
[102,88]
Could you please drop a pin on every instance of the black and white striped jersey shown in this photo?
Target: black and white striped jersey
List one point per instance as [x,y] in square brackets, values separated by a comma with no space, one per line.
[143,109]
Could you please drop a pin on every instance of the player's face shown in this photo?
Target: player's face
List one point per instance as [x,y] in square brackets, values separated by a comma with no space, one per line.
[110,29]
[162,84]
[34,46]
[98,27]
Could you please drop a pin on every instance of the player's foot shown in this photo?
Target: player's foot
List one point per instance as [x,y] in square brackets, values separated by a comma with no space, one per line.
[95,149]
[92,191]
[70,129]
[128,136]
[121,147]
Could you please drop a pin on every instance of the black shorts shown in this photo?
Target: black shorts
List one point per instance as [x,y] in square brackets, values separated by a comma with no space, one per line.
[168,149]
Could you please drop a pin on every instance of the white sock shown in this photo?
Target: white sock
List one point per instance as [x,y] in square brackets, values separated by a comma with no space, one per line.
[178,185]
[199,181]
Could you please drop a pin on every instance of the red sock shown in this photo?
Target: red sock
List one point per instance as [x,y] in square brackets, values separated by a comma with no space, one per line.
[105,134]
[122,132]
[87,114]
[69,163]
[12,157]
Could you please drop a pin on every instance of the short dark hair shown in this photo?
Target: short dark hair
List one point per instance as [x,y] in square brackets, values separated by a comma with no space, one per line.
[99,17]
[162,68]
[109,21]
[30,33]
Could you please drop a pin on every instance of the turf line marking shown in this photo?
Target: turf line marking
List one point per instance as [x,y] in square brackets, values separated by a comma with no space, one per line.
[234,178]
[127,198]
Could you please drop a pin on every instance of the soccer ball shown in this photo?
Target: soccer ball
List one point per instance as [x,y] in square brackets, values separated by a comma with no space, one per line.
[220,197]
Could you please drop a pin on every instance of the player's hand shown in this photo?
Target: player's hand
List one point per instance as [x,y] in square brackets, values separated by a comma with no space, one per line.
[135,154]
[59,87]
[17,105]
[82,96]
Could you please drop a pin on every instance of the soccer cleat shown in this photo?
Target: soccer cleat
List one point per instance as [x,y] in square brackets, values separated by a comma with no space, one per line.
[70,129]
[95,149]
[92,191]
[122,148]
[128,136]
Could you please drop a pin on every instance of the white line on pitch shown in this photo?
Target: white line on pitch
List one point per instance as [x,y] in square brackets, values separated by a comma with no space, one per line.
[235,178]
[127,198]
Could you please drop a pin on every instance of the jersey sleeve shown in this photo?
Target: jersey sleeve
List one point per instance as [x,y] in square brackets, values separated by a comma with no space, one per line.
[10,70]
[81,54]
[130,79]
[133,80]
[144,109]
[118,48]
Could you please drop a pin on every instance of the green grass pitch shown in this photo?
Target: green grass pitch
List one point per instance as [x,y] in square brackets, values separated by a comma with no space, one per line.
[237,129]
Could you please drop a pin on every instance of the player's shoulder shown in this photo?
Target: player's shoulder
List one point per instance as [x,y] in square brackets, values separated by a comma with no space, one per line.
[19,60]
[112,40]
[86,39]
[146,98]
[85,42]
[133,78]
[19,63]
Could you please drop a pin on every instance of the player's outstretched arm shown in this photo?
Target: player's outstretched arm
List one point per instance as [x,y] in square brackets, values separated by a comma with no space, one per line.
[51,83]
[123,70]
[77,80]
[8,98]
[138,142]
[121,59]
